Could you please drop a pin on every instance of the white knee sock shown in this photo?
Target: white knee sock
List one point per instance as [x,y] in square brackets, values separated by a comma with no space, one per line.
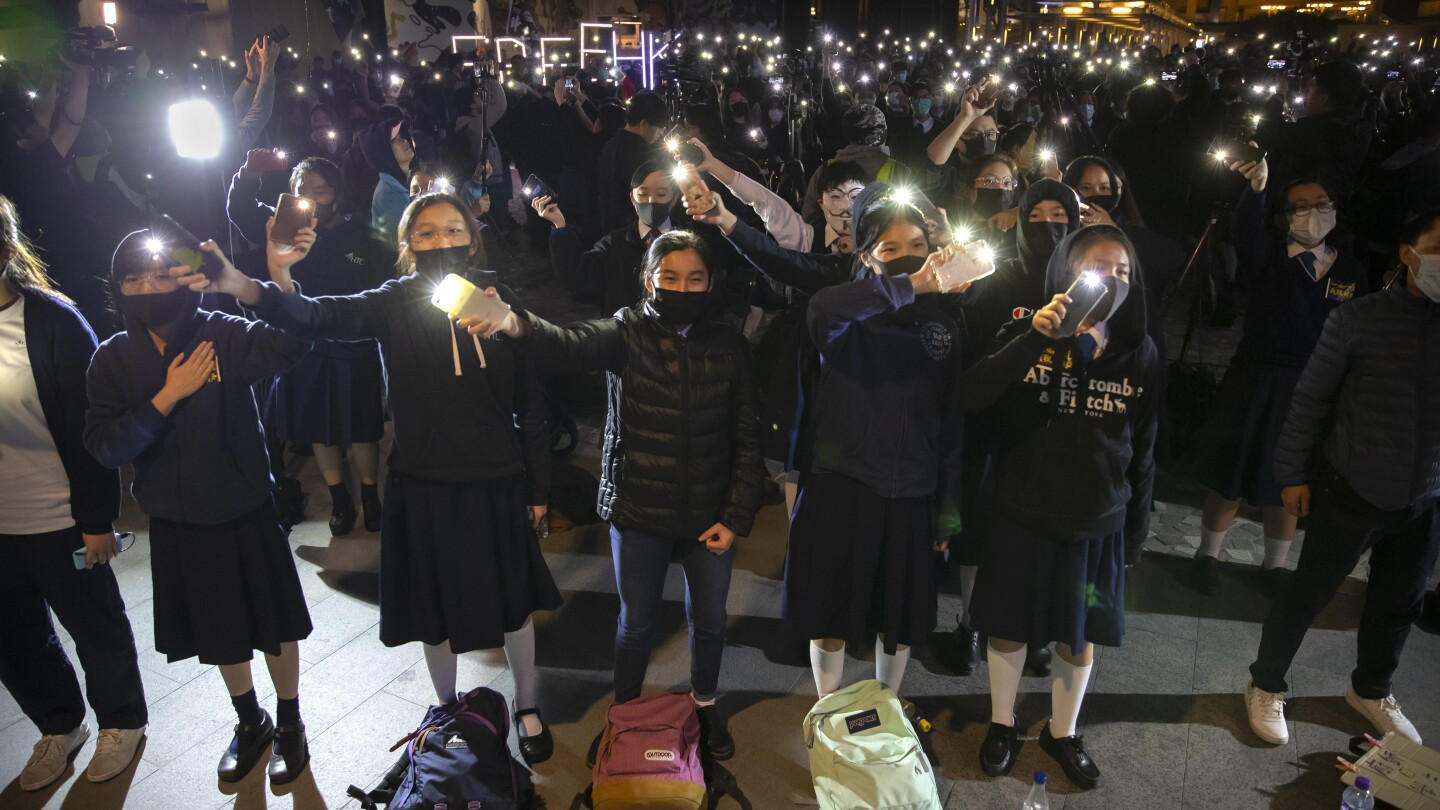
[1210,543]
[441,663]
[967,587]
[1275,553]
[1067,692]
[520,653]
[827,667]
[890,669]
[1005,670]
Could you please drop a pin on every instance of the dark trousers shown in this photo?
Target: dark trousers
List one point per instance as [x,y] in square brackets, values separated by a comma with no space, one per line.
[38,570]
[641,562]
[1402,545]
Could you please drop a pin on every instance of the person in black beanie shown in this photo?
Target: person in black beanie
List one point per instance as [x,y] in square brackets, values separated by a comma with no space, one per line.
[171,395]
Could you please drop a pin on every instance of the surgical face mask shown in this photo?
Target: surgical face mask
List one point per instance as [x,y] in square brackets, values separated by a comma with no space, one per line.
[900,265]
[439,262]
[922,106]
[652,214]
[991,201]
[901,76]
[1089,111]
[776,116]
[865,100]
[1427,276]
[893,99]
[679,309]
[1311,230]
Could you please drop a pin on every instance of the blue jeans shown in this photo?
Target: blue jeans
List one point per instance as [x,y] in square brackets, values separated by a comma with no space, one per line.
[641,561]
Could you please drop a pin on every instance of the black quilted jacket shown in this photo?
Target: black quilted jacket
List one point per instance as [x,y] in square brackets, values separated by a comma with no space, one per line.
[682,431]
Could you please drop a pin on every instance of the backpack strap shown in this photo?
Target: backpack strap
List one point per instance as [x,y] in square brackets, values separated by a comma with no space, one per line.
[582,799]
[720,782]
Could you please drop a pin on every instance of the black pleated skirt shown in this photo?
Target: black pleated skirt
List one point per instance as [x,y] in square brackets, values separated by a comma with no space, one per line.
[1039,589]
[333,399]
[859,564]
[1237,455]
[459,562]
[225,590]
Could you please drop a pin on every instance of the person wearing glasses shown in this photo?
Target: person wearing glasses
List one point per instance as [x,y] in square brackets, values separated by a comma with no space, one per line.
[1296,278]
[57,502]
[969,136]
[990,187]
[172,396]
[465,498]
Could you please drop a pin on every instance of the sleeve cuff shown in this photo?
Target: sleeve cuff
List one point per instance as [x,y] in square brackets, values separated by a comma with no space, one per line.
[150,419]
[94,528]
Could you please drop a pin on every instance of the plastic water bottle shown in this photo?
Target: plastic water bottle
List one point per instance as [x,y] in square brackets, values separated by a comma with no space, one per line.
[1357,796]
[1037,801]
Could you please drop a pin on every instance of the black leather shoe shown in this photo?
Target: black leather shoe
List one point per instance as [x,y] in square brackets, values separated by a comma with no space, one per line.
[371,504]
[714,735]
[342,516]
[1070,753]
[969,655]
[289,755]
[1274,580]
[1037,661]
[1205,575]
[997,753]
[246,748]
[538,748]
[594,752]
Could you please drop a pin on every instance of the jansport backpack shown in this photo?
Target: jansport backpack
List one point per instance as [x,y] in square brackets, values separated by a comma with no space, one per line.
[458,758]
[865,755]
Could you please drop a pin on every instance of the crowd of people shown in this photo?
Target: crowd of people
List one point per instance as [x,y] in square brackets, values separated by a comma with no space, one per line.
[770,242]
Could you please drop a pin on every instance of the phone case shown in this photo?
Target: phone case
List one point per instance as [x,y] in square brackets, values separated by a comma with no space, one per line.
[1085,295]
[535,188]
[291,214]
[697,194]
[967,265]
[989,92]
[460,299]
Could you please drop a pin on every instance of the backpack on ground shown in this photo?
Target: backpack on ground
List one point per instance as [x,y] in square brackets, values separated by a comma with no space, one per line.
[650,758]
[864,753]
[458,757]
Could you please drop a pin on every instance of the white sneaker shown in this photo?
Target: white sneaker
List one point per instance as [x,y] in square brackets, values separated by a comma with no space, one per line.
[1384,715]
[51,757]
[1267,714]
[114,751]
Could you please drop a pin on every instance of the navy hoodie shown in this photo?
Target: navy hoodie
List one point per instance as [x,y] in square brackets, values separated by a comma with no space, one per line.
[1073,446]
[206,462]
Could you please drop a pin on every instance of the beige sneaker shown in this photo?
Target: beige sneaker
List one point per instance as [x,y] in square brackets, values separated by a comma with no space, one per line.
[1267,714]
[1384,715]
[114,751]
[51,757]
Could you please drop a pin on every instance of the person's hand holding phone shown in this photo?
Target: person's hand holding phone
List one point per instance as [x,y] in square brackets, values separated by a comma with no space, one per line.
[260,161]
[511,326]
[99,549]
[561,95]
[269,54]
[228,280]
[1005,220]
[717,214]
[1094,215]
[1256,171]
[280,258]
[186,375]
[548,211]
[1047,320]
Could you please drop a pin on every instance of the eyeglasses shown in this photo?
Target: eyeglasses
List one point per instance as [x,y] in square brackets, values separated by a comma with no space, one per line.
[447,234]
[972,134]
[158,279]
[837,197]
[991,181]
[1303,210]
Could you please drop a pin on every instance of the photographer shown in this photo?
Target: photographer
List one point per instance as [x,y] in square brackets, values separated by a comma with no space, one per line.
[57,501]
[172,396]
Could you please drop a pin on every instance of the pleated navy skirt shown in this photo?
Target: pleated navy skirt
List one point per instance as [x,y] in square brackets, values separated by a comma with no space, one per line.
[459,562]
[859,564]
[223,591]
[1040,590]
[1237,455]
[334,396]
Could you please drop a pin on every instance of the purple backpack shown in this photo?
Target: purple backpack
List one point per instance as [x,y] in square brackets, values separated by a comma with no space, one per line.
[650,756]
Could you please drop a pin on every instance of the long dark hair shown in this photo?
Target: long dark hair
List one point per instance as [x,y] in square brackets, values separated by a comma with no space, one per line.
[673,242]
[23,269]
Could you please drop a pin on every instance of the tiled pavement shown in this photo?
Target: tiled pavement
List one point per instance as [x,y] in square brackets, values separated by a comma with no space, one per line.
[1164,718]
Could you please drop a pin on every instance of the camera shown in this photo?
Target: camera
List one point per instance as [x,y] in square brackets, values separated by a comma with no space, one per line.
[1169,76]
[98,46]
[1276,64]
[484,71]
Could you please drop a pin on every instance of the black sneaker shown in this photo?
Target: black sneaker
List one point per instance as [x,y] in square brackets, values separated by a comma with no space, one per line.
[713,733]
[968,656]
[246,748]
[1070,753]
[1205,575]
[1037,661]
[997,753]
[1274,580]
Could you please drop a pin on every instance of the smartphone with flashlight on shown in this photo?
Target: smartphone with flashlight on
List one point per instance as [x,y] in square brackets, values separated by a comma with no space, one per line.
[1232,150]
[681,148]
[989,92]
[1169,76]
[179,246]
[535,188]
[291,214]
[970,263]
[459,298]
[1086,295]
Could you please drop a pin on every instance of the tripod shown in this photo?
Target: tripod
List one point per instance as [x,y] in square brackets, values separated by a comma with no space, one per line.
[483,79]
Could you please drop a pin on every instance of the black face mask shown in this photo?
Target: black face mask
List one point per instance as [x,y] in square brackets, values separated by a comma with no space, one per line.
[902,265]
[1118,291]
[680,309]
[1105,202]
[158,311]
[991,201]
[739,109]
[652,214]
[1045,234]
[437,263]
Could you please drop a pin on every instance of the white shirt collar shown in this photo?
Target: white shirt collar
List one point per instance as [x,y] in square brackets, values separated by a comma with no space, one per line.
[1324,256]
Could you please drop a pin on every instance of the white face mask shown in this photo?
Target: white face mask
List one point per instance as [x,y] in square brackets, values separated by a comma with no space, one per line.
[1311,230]
[776,116]
[1427,276]
[1089,110]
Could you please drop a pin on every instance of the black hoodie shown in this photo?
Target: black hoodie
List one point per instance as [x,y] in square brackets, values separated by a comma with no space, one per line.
[1073,450]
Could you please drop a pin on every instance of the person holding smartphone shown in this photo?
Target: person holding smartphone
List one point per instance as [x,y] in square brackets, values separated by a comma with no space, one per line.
[460,561]
[681,468]
[57,501]
[333,400]
[172,396]
[1069,493]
